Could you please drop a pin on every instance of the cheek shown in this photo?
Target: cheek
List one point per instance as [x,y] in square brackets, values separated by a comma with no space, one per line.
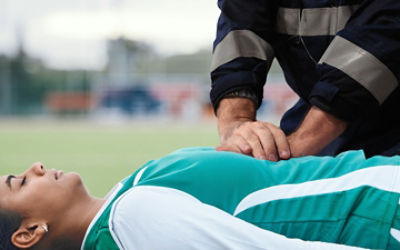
[47,197]
[66,189]
[40,201]
[28,205]
[38,197]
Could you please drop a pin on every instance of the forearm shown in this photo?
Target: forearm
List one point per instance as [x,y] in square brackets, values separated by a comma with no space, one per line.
[316,131]
[233,111]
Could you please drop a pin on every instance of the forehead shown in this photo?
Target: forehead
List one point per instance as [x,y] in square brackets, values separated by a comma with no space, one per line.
[3,185]
[4,190]
[3,182]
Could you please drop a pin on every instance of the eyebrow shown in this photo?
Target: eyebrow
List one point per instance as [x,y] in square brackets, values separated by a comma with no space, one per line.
[8,180]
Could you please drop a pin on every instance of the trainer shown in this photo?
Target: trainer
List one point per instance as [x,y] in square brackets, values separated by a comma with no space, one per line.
[342,58]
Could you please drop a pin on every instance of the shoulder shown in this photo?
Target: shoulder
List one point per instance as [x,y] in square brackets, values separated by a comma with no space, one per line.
[141,199]
[146,211]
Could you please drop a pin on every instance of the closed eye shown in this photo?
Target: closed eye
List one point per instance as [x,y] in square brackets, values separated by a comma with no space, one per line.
[23,181]
[8,181]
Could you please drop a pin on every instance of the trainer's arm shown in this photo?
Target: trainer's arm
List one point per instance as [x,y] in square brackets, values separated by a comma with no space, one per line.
[317,130]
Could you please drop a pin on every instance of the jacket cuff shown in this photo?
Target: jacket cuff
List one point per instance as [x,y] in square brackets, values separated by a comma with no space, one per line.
[347,102]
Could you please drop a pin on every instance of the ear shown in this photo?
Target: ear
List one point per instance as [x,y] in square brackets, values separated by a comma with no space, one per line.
[28,235]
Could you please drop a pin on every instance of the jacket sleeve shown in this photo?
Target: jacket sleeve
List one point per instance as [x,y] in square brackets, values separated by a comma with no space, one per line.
[360,70]
[242,51]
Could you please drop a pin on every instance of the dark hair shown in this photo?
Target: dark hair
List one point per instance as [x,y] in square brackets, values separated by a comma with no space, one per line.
[9,223]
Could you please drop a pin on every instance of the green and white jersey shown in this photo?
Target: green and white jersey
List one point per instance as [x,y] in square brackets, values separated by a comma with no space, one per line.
[198,198]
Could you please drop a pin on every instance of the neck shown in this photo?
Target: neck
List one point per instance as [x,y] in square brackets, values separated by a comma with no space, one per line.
[75,222]
[87,215]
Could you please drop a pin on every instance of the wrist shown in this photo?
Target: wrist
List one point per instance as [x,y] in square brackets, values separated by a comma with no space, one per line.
[232,112]
[236,109]
[243,93]
[317,130]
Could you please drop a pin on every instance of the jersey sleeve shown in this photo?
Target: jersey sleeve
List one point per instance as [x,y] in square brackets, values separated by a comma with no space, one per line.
[242,52]
[105,241]
[359,71]
[149,217]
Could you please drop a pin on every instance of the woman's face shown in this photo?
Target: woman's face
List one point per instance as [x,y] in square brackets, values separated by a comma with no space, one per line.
[40,193]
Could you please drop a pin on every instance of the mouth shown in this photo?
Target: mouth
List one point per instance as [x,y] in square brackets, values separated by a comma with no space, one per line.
[58,174]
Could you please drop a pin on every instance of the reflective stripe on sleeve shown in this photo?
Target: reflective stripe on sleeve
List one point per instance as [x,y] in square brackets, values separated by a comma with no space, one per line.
[361,66]
[241,43]
[313,22]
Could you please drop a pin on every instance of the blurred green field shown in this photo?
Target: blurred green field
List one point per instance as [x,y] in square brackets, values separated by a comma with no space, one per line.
[103,155]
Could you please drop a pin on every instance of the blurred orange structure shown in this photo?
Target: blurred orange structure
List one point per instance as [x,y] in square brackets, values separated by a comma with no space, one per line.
[70,102]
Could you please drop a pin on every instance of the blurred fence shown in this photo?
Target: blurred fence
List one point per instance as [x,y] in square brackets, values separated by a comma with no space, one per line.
[188,100]
[134,85]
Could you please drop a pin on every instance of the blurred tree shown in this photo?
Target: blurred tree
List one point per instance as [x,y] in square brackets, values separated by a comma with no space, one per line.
[5,86]
[124,59]
[197,63]
[22,93]
[25,82]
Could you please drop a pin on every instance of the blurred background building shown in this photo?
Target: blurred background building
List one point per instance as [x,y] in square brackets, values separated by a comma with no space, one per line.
[114,60]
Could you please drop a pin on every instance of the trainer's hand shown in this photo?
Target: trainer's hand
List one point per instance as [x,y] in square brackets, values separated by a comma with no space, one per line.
[262,140]
[240,132]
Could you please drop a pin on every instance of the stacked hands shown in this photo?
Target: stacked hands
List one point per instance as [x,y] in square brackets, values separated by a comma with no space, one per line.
[240,132]
[263,140]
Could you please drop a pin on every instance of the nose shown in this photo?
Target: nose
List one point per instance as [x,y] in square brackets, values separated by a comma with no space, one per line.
[37,169]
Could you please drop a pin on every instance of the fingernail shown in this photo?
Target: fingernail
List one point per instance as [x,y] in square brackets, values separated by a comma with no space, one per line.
[246,149]
[285,154]
[261,157]
[272,157]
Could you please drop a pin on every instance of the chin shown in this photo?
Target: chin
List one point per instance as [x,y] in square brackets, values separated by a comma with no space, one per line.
[72,180]
[76,181]
[75,177]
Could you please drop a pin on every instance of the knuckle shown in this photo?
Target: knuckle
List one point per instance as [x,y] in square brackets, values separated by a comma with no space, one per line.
[242,127]
[280,133]
[259,124]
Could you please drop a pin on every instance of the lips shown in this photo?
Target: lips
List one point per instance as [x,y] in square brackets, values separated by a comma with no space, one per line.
[58,174]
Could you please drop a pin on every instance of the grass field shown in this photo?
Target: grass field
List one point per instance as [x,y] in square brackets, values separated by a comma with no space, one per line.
[103,155]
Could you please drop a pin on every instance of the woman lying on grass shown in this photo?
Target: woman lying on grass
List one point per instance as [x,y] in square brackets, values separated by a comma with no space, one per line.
[202,199]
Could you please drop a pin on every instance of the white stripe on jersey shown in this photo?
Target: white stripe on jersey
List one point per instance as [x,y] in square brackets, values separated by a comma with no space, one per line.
[381,177]
[138,176]
[395,234]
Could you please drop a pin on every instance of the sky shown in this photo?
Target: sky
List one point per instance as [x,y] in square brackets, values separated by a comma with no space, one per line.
[73,33]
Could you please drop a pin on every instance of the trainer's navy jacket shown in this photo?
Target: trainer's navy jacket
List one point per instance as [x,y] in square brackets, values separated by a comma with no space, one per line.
[342,56]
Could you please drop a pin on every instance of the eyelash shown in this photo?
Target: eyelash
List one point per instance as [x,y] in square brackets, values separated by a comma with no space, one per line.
[23,181]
